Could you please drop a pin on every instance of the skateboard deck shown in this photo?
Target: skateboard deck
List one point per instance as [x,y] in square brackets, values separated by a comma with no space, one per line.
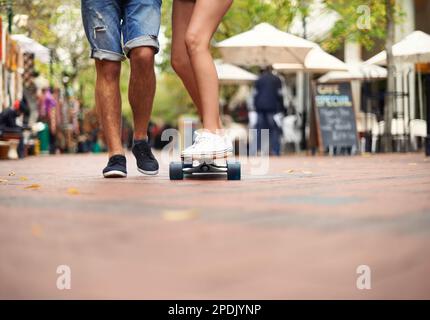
[206,157]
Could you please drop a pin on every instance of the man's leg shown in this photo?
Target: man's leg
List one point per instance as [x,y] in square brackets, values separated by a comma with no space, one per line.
[108,103]
[141,89]
[141,93]
[140,26]
[102,21]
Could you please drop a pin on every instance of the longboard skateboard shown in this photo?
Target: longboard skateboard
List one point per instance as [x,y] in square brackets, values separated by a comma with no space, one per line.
[207,164]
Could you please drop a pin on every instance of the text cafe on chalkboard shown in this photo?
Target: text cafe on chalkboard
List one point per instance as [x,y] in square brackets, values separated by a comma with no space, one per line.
[334,126]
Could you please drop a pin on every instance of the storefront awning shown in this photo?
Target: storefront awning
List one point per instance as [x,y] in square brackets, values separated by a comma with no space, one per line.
[29,45]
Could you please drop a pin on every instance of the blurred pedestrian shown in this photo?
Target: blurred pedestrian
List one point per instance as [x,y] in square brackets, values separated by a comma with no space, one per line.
[9,125]
[268,104]
[50,114]
[8,118]
[25,110]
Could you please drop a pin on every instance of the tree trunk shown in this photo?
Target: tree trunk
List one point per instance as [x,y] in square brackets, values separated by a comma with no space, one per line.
[390,97]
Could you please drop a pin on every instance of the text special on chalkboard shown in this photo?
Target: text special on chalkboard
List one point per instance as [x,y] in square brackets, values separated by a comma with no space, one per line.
[335,115]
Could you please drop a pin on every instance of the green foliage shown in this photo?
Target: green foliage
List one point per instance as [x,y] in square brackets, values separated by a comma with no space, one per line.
[347,28]
[42,15]
[86,80]
[171,99]
[58,26]
[242,16]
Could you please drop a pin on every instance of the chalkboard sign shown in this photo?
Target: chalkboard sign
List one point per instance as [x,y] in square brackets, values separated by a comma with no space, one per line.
[335,117]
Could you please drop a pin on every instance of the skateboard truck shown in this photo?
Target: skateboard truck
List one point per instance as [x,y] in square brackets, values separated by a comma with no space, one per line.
[177,170]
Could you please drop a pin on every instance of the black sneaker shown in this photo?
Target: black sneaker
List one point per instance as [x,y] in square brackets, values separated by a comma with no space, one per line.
[146,162]
[116,167]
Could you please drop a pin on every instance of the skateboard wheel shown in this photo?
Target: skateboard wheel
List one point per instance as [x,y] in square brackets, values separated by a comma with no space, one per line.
[233,170]
[175,171]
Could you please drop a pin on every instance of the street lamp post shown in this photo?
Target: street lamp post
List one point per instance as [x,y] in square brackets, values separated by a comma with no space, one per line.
[9,9]
[305,114]
[51,66]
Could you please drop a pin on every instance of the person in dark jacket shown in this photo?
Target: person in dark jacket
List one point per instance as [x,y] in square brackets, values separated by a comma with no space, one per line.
[8,124]
[268,102]
[8,119]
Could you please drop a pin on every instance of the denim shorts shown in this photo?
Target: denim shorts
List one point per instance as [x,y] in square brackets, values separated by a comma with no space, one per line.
[114,27]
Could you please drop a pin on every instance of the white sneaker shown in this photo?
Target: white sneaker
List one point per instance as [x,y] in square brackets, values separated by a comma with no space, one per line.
[228,142]
[208,144]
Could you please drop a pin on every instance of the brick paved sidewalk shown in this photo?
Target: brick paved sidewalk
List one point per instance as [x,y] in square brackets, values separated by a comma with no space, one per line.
[299,231]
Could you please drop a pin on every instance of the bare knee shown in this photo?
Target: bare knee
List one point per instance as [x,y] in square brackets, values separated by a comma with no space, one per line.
[142,58]
[109,71]
[195,43]
[180,63]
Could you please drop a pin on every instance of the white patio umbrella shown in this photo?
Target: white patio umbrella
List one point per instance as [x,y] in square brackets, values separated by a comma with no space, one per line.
[415,48]
[231,74]
[316,61]
[264,45]
[356,71]
[29,45]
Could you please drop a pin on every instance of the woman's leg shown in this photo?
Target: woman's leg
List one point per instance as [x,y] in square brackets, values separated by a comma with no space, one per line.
[181,16]
[206,16]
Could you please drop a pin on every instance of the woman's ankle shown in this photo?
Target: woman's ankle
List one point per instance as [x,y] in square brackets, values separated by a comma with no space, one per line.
[217,131]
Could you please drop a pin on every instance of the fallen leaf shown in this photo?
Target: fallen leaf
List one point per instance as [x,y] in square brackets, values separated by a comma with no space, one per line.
[180,215]
[11,174]
[366,154]
[36,230]
[307,172]
[23,178]
[3,181]
[73,191]
[289,171]
[34,186]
